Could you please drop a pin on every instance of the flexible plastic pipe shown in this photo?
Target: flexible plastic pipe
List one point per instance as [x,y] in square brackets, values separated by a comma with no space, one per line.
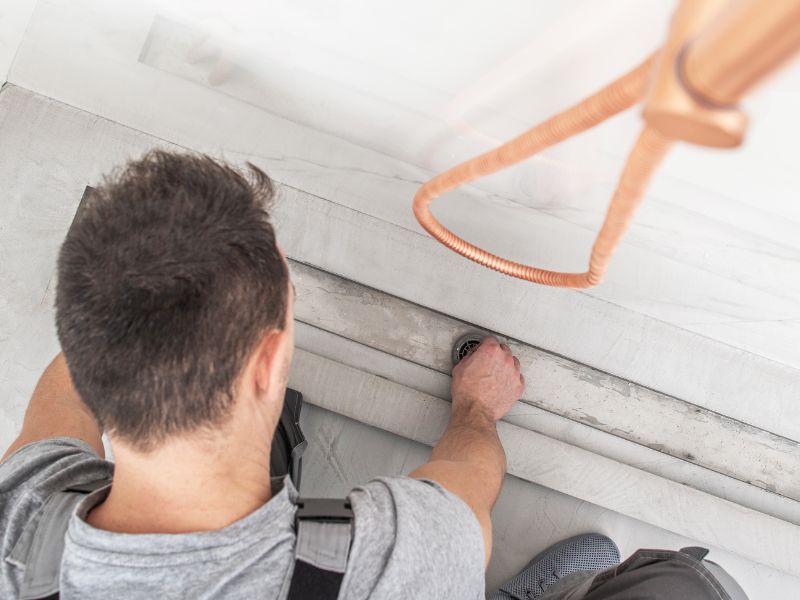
[712,57]
[646,155]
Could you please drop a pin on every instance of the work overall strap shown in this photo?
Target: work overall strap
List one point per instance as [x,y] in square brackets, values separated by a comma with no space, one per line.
[324,531]
[323,526]
[42,543]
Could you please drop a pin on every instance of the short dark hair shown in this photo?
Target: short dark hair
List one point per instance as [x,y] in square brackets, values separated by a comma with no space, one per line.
[167,279]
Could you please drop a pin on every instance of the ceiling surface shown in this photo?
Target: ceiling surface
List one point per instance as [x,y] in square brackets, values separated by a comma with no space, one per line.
[713,250]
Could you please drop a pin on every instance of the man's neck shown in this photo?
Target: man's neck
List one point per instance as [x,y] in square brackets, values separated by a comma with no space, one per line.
[186,484]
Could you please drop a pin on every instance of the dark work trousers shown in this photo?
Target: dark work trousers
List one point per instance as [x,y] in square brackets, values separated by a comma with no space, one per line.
[652,575]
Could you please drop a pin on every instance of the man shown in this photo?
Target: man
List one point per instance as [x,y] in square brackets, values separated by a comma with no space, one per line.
[174,313]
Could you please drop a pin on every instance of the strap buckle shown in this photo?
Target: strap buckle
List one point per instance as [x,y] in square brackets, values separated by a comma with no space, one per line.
[324,510]
[324,533]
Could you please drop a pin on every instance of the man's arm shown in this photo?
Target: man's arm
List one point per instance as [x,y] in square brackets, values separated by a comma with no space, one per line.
[56,410]
[469,460]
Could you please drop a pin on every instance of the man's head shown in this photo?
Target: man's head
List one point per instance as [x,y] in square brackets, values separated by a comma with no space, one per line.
[170,282]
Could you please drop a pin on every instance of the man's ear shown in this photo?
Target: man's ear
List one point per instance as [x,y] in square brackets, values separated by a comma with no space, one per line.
[266,361]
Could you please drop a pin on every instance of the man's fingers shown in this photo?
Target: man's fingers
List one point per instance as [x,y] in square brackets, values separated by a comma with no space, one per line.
[489,341]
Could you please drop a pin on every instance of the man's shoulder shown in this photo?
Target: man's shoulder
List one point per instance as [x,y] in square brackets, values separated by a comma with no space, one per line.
[28,478]
[41,468]
[405,497]
[413,538]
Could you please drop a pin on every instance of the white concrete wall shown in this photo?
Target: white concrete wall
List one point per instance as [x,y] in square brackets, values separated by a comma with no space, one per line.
[14,18]
[56,150]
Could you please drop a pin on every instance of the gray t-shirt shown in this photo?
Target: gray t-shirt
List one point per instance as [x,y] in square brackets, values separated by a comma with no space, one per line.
[413,539]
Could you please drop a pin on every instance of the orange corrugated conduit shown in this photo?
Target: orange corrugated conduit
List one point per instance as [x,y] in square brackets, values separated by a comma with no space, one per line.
[643,160]
[716,51]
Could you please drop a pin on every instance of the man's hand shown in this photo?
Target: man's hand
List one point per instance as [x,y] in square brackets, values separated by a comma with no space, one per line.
[488,382]
[469,460]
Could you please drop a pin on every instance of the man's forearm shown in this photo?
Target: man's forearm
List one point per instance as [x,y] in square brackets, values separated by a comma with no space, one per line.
[56,410]
[469,460]
[472,439]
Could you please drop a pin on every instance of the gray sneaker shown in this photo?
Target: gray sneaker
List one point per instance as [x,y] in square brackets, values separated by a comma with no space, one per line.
[588,552]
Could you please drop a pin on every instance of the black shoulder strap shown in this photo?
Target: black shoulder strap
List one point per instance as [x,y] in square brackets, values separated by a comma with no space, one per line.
[324,532]
[288,443]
